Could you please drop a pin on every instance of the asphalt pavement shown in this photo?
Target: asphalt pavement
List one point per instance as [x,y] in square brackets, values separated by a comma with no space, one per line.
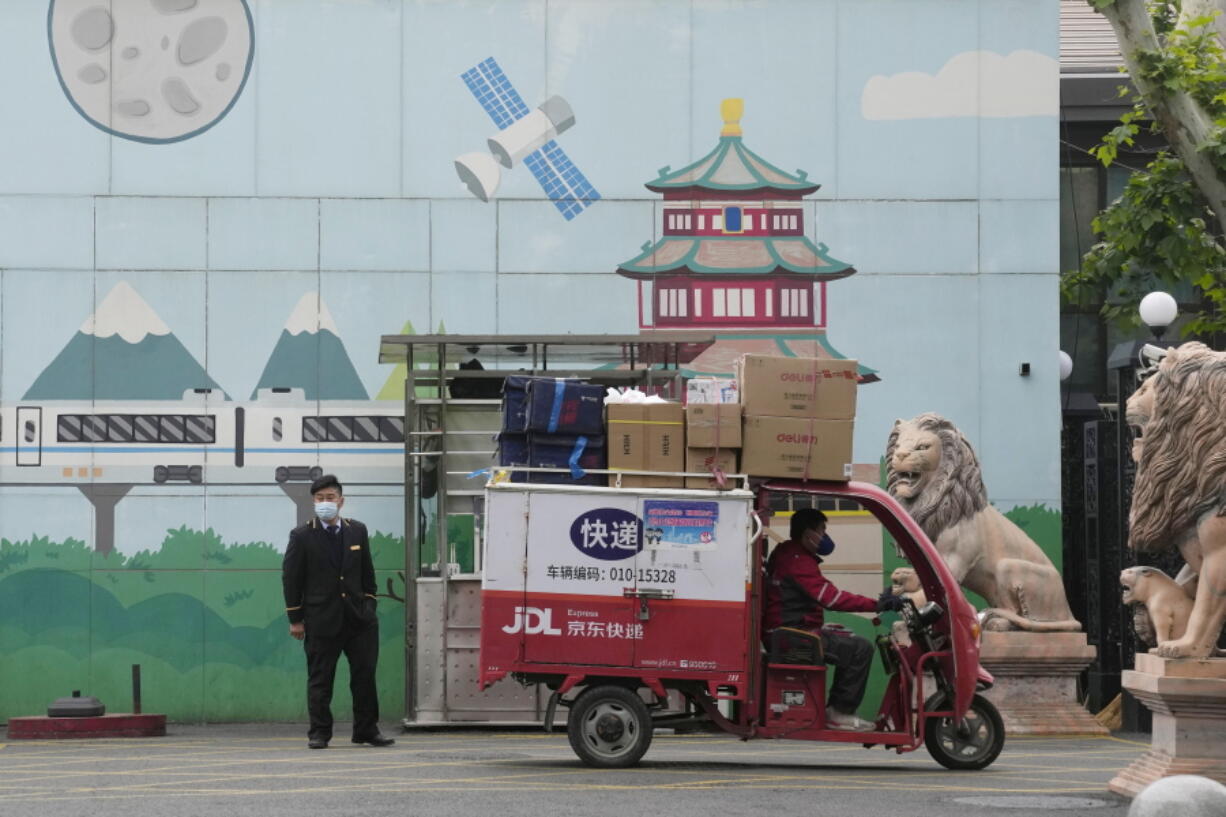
[267,770]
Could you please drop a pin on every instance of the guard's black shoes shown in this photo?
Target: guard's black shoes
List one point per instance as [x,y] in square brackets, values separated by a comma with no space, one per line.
[317,743]
[375,740]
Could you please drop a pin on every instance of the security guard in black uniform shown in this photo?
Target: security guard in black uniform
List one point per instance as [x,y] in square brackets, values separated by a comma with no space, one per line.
[329,583]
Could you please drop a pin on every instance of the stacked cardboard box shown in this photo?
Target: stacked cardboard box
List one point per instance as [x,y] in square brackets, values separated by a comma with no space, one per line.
[712,429]
[646,437]
[799,416]
[552,423]
[713,441]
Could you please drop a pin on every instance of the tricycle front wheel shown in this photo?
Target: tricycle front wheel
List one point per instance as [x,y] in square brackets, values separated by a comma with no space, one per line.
[609,727]
[970,743]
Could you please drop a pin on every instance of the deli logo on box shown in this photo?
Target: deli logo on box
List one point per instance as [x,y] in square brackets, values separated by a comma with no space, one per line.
[607,533]
[796,439]
[809,377]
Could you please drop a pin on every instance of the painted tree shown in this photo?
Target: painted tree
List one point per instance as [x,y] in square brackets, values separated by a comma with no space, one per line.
[1167,227]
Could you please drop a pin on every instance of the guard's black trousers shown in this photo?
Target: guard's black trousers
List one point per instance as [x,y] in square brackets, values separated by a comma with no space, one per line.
[852,658]
[361,647]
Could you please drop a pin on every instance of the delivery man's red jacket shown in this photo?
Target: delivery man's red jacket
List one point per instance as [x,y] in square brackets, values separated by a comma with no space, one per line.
[797,592]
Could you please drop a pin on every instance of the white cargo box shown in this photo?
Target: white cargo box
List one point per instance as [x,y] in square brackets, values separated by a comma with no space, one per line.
[648,578]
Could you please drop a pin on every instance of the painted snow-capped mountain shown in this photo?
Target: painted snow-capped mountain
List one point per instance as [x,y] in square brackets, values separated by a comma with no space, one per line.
[310,356]
[123,351]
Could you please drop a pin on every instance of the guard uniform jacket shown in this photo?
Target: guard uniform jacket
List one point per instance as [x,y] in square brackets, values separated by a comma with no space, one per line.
[318,591]
[797,593]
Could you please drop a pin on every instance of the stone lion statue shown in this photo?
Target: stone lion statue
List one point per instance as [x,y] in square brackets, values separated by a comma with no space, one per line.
[1179,496]
[933,471]
[905,582]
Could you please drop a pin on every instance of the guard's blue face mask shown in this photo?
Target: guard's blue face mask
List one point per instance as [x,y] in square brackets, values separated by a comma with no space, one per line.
[326,510]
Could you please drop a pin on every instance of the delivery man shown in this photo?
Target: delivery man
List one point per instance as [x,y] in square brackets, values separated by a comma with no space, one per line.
[797,595]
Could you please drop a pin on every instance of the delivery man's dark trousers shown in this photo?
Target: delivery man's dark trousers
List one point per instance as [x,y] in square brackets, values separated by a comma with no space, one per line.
[360,644]
[852,657]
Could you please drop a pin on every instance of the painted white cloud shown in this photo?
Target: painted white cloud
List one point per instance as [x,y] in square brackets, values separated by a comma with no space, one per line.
[973,83]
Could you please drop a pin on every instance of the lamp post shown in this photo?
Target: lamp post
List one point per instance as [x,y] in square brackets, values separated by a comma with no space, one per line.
[1158,311]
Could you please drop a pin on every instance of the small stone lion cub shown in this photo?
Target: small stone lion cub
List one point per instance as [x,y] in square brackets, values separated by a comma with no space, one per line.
[904,582]
[1168,604]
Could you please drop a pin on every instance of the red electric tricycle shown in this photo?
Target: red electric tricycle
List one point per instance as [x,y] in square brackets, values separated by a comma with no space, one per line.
[641,608]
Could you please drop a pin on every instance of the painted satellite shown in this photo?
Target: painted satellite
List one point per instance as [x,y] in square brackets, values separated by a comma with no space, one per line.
[526,135]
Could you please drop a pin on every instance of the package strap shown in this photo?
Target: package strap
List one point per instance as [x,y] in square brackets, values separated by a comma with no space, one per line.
[555,412]
[808,449]
[575,471]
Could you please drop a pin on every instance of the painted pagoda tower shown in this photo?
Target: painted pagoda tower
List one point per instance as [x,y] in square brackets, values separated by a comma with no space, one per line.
[733,258]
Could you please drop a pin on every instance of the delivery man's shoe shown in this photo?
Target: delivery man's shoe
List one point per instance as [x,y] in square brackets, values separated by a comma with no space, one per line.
[847,720]
[375,740]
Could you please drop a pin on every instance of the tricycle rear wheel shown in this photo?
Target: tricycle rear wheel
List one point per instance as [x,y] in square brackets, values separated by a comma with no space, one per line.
[609,727]
[970,743]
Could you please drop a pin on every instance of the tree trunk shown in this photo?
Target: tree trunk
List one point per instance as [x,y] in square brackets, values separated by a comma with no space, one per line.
[1184,122]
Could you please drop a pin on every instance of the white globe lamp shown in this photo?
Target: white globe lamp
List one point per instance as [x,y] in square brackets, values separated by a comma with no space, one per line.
[1158,311]
[1066,365]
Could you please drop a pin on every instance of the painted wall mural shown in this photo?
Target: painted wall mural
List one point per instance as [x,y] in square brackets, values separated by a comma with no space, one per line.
[199,254]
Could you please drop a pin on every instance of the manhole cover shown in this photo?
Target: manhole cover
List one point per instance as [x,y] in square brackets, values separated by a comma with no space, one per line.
[1035,801]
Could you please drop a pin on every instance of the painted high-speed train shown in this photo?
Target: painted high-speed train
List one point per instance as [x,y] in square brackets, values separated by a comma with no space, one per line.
[279,437]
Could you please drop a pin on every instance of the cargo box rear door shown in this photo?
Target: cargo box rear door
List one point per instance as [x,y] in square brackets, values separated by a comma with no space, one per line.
[502,579]
[580,565]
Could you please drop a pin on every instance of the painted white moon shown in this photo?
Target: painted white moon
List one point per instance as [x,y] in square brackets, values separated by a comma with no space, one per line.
[151,70]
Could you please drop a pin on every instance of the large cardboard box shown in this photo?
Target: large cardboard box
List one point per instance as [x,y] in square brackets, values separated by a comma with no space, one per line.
[717,425]
[704,460]
[798,387]
[646,437]
[796,448]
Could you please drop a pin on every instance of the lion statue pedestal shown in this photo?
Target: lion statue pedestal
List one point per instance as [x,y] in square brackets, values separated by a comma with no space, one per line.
[1187,697]
[1036,681]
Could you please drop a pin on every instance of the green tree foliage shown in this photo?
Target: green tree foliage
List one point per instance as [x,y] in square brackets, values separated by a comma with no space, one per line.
[1166,228]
